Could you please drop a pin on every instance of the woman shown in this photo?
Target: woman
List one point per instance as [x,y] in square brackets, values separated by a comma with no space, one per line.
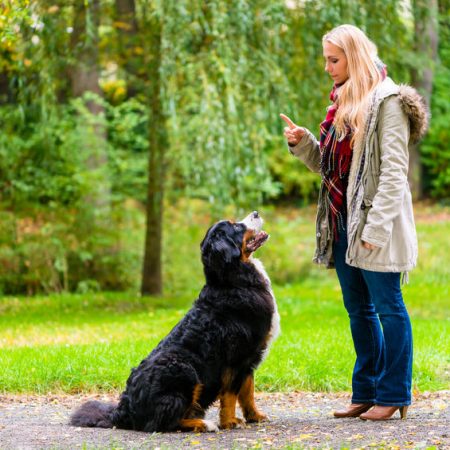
[365,225]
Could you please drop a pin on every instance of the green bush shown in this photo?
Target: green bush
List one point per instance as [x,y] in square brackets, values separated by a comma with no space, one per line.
[65,223]
[45,252]
[298,183]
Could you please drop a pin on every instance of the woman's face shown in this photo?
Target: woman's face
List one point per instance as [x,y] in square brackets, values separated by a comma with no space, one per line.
[335,62]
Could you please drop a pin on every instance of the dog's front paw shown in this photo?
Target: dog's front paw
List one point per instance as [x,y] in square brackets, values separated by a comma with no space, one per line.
[210,426]
[233,422]
[256,416]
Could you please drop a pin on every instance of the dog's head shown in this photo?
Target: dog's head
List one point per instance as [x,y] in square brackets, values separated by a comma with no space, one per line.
[228,244]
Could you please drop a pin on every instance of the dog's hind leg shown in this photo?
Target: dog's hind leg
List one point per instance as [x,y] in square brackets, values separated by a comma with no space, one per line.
[167,413]
[193,419]
[247,403]
[195,410]
[199,425]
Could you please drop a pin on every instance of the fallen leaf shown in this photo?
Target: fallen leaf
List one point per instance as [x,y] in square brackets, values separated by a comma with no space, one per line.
[302,437]
[356,436]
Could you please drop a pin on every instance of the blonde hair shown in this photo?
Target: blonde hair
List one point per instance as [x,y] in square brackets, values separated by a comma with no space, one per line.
[363,77]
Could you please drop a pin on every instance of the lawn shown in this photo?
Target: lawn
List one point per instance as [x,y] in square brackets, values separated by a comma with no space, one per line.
[81,343]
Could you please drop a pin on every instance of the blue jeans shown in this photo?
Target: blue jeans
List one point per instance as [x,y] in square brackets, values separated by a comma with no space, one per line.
[383,367]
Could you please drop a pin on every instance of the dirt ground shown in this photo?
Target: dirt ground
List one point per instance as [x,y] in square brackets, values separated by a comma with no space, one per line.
[297,420]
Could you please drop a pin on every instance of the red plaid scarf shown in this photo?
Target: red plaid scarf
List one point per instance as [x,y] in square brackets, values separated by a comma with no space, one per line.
[336,156]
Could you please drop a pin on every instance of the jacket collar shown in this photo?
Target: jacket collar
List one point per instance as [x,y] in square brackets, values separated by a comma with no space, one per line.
[385,89]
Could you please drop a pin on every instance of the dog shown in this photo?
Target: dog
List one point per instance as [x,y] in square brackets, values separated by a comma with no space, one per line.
[211,353]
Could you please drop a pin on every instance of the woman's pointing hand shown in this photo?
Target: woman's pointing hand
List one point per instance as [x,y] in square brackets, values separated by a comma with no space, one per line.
[292,132]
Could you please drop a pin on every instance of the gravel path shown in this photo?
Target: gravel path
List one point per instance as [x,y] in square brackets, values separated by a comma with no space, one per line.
[297,420]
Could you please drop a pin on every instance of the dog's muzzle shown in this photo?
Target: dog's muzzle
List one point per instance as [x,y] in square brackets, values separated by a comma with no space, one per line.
[254,222]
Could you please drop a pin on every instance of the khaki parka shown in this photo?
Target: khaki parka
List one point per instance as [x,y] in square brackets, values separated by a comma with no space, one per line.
[379,204]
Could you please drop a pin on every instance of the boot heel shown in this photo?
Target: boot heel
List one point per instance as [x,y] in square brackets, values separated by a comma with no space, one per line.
[403,411]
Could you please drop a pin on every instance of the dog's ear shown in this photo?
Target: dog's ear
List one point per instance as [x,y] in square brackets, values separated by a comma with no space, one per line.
[226,250]
[218,252]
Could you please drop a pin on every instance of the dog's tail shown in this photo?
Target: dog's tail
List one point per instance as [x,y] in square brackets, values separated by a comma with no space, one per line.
[94,414]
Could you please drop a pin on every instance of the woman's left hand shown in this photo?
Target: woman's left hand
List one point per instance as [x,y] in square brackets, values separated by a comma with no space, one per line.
[369,246]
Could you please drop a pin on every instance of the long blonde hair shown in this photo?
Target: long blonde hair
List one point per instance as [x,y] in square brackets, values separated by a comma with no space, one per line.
[363,77]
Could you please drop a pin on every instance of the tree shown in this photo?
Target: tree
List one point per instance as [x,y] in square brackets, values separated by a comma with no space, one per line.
[219,86]
[84,75]
[140,57]
[152,270]
[426,48]
[130,46]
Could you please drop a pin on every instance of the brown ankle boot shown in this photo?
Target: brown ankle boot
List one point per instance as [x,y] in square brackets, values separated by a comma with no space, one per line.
[384,412]
[354,410]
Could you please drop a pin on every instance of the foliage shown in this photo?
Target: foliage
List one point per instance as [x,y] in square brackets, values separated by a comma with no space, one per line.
[126,126]
[225,86]
[49,240]
[37,162]
[298,183]
[47,251]
[228,70]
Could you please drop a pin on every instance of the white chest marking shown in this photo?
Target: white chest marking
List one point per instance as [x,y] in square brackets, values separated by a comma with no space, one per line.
[275,325]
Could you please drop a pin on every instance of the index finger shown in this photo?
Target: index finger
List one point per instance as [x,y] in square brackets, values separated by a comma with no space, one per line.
[288,121]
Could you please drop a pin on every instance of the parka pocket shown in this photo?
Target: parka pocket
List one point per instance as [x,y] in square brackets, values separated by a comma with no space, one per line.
[366,204]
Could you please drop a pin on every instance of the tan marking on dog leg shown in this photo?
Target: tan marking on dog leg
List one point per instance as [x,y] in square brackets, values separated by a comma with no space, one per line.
[195,411]
[247,403]
[227,379]
[228,417]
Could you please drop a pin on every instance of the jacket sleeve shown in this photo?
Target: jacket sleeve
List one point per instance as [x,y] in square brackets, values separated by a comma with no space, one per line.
[308,151]
[393,132]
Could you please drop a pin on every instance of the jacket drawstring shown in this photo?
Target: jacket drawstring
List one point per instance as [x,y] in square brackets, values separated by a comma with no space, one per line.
[405,278]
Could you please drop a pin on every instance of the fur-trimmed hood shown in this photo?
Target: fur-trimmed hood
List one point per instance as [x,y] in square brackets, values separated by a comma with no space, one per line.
[415,108]
[412,103]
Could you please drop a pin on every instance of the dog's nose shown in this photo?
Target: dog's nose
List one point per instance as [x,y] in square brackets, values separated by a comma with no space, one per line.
[255,214]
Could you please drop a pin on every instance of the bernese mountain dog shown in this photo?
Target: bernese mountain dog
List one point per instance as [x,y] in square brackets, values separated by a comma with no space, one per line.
[211,353]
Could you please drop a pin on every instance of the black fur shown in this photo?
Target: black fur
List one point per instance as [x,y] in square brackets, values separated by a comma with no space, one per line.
[225,332]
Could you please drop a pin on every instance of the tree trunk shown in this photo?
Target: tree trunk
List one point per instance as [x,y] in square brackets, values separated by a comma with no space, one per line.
[84,43]
[426,46]
[5,93]
[130,46]
[152,268]
[142,71]
[84,75]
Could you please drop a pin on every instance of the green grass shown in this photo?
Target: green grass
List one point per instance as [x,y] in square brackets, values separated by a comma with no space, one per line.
[73,343]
